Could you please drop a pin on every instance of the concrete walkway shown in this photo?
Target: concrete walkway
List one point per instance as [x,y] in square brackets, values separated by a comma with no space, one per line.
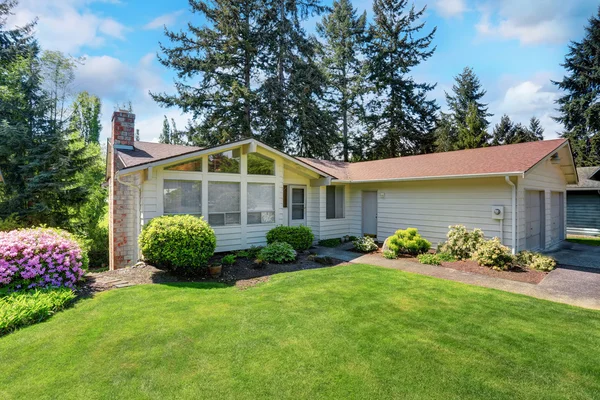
[570,286]
[576,255]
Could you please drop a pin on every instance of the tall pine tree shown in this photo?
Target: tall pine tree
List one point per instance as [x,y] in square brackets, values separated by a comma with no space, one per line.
[507,132]
[580,106]
[85,117]
[401,118]
[222,55]
[343,33]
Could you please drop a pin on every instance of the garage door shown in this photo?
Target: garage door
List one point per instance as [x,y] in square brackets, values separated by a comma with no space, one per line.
[534,219]
[556,230]
[583,212]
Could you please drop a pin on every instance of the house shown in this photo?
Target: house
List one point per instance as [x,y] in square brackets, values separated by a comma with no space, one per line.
[583,203]
[244,189]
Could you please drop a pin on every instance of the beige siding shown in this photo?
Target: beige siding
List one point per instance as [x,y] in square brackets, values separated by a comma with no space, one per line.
[432,206]
[546,177]
[336,227]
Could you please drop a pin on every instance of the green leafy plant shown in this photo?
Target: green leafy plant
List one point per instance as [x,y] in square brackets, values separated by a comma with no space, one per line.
[461,243]
[431,259]
[278,253]
[250,253]
[229,259]
[390,255]
[536,261]
[19,309]
[330,242]
[445,257]
[365,244]
[408,241]
[178,242]
[493,254]
[299,237]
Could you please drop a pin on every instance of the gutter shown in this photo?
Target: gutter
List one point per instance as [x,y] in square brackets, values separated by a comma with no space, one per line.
[513,214]
[425,178]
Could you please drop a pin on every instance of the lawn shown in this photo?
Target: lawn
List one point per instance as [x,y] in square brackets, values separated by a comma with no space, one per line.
[590,241]
[344,332]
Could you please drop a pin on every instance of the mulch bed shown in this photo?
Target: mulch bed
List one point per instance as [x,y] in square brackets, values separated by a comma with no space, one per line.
[242,274]
[516,274]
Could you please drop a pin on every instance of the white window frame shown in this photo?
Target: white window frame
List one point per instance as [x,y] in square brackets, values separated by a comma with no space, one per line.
[198,181]
[261,211]
[339,211]
[225,213]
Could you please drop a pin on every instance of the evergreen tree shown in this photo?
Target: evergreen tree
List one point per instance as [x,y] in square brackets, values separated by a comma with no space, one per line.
[472,133]
[85,117]
[580,106]
[343,32]
[503,131]
[222,55]
[467,91]
[165,135]
[446,135]
[401,117]
[507,132]
[535,130]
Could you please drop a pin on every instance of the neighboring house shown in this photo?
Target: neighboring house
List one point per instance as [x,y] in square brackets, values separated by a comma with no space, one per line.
[583,203]
[246,188]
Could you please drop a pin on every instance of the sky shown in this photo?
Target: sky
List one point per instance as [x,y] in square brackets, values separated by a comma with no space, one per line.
[514,46]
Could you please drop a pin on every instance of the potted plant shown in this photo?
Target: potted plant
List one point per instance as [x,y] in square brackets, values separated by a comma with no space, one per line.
[215,270]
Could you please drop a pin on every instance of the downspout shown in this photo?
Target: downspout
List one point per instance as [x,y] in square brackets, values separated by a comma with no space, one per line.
[513,214]
[139,188]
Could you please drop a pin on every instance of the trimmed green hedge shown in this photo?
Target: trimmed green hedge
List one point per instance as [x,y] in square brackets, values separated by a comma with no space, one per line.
[299,237]
[178,242]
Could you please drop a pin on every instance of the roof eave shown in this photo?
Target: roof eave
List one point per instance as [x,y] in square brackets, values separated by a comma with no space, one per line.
[431,178]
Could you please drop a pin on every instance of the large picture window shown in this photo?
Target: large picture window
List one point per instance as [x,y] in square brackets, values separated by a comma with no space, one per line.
[260,165]
[194,165]
[335,202]
[261,203]
[227,161]
[182,197]
[223,203]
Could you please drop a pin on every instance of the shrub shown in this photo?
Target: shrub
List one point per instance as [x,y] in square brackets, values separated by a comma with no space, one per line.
[389,254]
[250,253]
[445,257]
[178,242]
[277,252]
[10,223]
[493,254]
[537,261]
[330,242]
[229,259]
[408,241]
[461,243]
[299,237]
[29,307]
[41,257]
[365,244]
[431,259]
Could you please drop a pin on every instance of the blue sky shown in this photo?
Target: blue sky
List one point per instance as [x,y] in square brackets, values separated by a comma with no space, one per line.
[514,46]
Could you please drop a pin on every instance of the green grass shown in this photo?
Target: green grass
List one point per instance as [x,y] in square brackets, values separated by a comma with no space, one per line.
[590,241]
[337,333]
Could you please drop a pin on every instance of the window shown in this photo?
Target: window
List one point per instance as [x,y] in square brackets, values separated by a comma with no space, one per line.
[194,165]
[335,202]
[260,165]
[182,197]
[227,161]
[223,203]
[285,196]
[261,203]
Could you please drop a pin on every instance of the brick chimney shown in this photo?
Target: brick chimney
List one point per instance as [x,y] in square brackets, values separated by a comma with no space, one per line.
[123,130]
[124,196]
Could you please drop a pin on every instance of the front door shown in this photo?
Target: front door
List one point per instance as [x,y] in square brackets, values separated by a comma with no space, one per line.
[297,212]
[369,213]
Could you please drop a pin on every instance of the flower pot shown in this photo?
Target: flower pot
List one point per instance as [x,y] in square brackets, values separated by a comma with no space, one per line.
[215,270]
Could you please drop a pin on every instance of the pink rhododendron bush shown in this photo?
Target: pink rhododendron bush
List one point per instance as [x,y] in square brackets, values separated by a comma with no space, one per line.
[40,258]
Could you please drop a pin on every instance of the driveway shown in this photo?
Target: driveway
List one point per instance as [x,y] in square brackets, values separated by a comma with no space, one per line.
[576,255]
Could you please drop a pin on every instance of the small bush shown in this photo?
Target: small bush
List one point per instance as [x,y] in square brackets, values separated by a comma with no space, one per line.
[330,242]
[178,242]
[365,244]
[299,237]
[431,259]
[352,238]
[278,253]
[537,261]
[29,307]
[390,255]
[408,241]
[40,258]
[250,253]
[461,243]
[493,254]
[229,259]
[445,257]
[11,223]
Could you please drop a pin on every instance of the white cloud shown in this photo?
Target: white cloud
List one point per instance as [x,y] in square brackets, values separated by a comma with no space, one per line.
[450,8]
[533,22]
[522,100]
[67,25]
[166,19]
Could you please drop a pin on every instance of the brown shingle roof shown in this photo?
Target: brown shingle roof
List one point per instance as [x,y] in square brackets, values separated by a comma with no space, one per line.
[147,152]
[589,178]
[515,158]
